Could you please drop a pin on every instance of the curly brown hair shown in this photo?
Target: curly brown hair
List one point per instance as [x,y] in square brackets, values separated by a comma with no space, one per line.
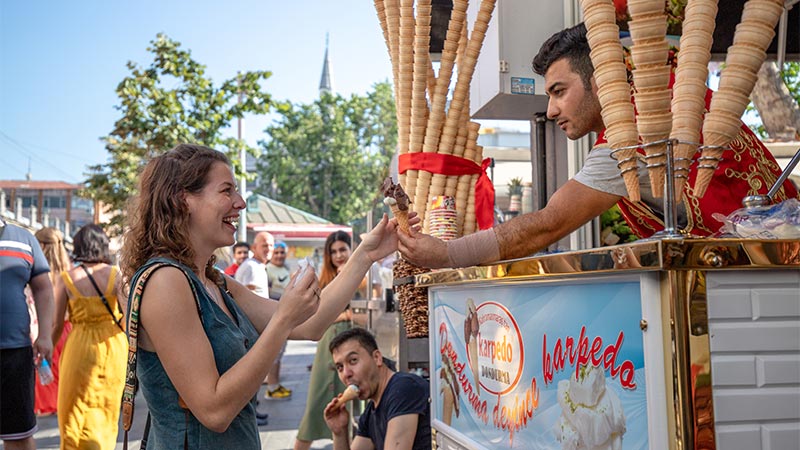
[158,216]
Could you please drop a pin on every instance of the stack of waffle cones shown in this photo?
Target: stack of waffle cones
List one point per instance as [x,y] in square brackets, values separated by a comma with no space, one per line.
[613,89]
[426,122]
[650,50]
[750,41]
[688,101]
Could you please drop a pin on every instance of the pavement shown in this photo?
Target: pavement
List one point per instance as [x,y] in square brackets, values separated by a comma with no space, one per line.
[284,414]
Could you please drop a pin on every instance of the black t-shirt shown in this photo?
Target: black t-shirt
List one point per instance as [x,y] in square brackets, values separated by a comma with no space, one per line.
[405,394]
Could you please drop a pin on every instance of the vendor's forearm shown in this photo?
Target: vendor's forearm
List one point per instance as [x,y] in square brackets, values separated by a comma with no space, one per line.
[524,236]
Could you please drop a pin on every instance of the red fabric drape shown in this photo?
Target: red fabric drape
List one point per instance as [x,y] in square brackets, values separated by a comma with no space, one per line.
[450,165]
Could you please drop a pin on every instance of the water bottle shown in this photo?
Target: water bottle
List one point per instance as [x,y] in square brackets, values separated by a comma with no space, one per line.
[45,373]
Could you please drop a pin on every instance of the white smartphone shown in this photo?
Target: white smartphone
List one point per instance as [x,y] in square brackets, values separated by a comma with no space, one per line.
[305,264]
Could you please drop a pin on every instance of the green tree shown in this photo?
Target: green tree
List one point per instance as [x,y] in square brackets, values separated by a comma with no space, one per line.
[169,102]
[329,157]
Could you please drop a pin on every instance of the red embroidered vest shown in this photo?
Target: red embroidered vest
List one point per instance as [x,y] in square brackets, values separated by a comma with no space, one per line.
[748,168]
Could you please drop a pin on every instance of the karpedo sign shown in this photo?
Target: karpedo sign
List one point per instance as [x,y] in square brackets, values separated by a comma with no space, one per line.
[556,366]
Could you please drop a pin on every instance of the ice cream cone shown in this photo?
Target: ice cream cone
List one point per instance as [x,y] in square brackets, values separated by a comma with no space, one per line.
[447,404]
[738,78]
[754,34]
[731,101]
[350,393]
[695,89]
[745,55]
[602,13]
[698,25]
[651,77]
[650,53]
[766,12]
[608,73]
[602,32]
[697,8]
[606,52]
[653,100]
[646,28]
[702,181]
[631,177]
[402,218]
[614,92]
[645,7]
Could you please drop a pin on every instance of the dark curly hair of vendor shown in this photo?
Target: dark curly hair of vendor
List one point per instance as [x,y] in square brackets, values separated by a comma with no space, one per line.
[569,43]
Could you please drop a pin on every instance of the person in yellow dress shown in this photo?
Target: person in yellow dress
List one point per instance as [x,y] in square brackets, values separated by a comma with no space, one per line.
[95,356]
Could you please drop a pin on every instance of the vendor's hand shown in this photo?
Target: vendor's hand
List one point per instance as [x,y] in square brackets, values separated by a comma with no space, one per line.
[300,299]
[423,250]
[382,240]
[336,416]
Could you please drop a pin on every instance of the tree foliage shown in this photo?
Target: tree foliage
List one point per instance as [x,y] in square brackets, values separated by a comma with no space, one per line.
[171,101]
[329,157]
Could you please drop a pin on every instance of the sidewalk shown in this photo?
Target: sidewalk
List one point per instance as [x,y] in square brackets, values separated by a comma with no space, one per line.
[284,415]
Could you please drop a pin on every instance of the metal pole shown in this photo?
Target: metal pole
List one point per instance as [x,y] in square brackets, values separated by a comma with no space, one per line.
[242,232]
[670,206]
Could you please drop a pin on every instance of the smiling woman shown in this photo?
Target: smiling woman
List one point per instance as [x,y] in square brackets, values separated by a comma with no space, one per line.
[202,341]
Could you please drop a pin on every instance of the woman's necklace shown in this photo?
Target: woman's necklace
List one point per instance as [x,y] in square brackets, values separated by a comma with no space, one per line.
[213,291]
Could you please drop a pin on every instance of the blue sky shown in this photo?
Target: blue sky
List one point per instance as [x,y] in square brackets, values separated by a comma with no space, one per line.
[60,63]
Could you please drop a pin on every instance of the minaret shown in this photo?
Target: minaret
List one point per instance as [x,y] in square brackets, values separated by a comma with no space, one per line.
[325,82]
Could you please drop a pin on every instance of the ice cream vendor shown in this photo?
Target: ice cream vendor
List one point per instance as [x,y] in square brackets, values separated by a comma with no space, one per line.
[564,62]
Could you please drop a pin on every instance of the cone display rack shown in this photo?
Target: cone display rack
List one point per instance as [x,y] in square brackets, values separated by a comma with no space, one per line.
[431,128]
[671,123]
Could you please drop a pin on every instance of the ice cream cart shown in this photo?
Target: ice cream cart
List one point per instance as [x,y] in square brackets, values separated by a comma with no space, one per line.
[675,344]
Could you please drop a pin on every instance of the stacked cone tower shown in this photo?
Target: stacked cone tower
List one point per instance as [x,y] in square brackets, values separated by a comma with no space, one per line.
[750,41]
[428,123]
[613,90]
[676,113]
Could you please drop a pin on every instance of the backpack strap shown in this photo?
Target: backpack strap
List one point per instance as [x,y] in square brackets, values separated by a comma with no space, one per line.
[131,382]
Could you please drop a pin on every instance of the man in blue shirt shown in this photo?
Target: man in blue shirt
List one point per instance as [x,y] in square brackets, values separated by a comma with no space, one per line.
[398,402]
[21,263]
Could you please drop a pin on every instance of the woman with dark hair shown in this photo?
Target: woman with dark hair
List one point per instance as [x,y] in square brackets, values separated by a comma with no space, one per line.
[92,373]
[52,243]
[325,383]
[204,341]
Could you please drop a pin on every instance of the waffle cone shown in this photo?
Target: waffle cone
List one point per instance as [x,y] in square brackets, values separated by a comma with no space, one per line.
[755,34]
[657,175]
[698,25]
[766,12]
[651,77]
[447,404]
[602,13]
[650,53]
[402,218]
[696,8]
[702,181]
[645,7]
[350,393]
[644,28]
[632,185]
[652,101]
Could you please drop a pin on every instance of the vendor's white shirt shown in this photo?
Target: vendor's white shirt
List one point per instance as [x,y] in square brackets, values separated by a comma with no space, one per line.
[600,172]
[254,272]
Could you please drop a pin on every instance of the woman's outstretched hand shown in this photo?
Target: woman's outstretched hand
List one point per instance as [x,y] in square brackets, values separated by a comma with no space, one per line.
[382,239]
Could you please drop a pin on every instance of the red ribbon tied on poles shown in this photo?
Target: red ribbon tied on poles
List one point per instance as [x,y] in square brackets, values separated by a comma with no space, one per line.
[450,165]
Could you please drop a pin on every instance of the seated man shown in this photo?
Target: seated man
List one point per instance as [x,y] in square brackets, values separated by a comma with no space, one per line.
[399,402]
[747,169]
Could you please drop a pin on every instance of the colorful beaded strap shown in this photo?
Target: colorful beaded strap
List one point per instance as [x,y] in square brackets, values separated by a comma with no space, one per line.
[131,382]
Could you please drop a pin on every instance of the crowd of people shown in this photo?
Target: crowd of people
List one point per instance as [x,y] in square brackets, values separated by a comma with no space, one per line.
[203,338]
